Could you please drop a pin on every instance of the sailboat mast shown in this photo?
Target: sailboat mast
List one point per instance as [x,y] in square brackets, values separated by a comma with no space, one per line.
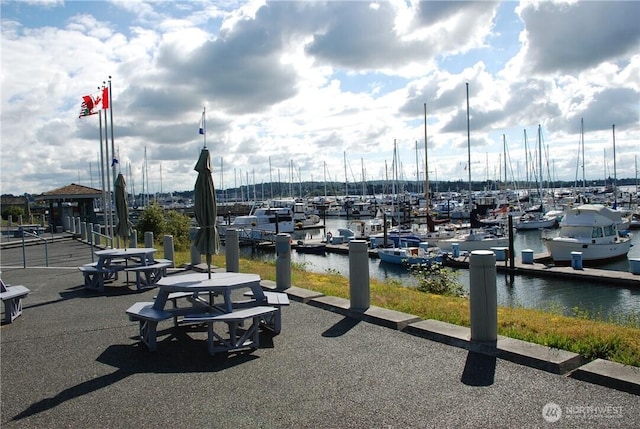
[346,178]
[504,150]
[584,182]
[540,165]
[426,163]
[469,151]
[615,176]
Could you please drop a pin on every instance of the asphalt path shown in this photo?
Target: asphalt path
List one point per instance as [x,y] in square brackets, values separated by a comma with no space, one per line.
[73,359]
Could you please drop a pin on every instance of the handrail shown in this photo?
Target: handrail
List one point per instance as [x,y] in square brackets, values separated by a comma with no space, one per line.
[92,241]
[24,253]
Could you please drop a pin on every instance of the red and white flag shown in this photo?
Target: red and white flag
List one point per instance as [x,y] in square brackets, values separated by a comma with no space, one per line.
[93,103]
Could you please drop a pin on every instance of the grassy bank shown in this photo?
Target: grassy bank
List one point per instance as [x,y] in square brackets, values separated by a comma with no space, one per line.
[581,334]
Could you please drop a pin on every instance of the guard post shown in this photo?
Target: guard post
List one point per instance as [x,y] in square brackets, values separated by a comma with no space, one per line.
[283,261]
[360,297]
[483,298]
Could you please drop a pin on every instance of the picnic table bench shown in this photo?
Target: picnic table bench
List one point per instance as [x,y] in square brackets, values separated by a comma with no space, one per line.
[237,340]
[94,276]
[148,275]
[273,321]
[148,317]
[12,299]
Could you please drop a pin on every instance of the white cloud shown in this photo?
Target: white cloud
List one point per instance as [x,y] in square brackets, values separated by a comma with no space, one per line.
[305,83]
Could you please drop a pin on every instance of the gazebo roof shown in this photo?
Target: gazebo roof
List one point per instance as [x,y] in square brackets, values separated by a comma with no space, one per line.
[71,191]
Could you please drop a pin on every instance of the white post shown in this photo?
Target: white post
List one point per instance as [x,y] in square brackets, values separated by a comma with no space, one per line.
[232,250]
[283,261]
[196,257]
[148,239]
[483,298]
[167,242]
[359,275]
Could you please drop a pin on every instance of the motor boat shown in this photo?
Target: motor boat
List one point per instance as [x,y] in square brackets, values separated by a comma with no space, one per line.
[591,229]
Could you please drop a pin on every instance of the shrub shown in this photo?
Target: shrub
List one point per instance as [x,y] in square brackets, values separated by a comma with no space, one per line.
[152,219]
[435,278]
[13,211]
[177,225]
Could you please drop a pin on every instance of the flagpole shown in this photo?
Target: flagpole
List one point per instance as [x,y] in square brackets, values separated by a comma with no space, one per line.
[107,158]
[104,192]
[204,126]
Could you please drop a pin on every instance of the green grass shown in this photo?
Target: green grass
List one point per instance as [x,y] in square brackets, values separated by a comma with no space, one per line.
[585,334]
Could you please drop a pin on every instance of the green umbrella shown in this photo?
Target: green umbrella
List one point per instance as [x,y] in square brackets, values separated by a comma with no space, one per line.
[123,227]
[207,240]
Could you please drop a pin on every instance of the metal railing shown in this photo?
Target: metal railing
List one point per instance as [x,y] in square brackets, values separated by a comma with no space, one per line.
[92,241]
[24,252]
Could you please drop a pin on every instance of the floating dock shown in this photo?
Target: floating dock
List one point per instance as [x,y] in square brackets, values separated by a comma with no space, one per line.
[542,266]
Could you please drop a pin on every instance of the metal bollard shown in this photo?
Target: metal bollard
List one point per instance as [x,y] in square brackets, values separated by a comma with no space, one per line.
[483,297]
[232,250]
[133,239]
[283,261]
[83,231]
[167,245]
[78,229]
[148,239]
[196,257]
[359,275]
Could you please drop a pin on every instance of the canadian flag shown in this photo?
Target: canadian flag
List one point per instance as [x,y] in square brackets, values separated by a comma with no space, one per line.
[93,103]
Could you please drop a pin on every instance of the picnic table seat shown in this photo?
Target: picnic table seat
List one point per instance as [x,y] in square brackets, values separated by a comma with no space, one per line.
[148,317]
[237,340]
[12,299]
[148,275]
[273,321]
[95,277]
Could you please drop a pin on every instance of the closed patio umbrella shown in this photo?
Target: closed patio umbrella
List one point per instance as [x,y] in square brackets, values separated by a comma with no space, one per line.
[207,240]
[123,227]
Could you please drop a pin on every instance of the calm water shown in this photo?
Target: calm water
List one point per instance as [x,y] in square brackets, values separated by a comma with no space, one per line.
[598,299]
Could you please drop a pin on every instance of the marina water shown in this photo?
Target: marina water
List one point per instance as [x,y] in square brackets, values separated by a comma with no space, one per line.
[598,300]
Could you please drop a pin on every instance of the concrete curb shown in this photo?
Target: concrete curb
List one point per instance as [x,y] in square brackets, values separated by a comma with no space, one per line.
[610,374]
[602,372]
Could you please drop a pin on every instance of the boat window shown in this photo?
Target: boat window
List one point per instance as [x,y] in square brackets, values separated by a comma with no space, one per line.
[609,230]
[596,232]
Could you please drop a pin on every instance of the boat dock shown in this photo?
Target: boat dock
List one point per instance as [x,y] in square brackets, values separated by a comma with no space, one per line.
[541,267]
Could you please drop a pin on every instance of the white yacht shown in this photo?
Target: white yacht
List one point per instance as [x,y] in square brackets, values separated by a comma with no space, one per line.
[591,229]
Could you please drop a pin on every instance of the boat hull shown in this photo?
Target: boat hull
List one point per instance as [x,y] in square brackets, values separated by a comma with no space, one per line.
[401,256]
[560,249]
[465,245]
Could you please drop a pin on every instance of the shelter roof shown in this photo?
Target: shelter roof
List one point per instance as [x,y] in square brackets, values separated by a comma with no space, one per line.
[72,191]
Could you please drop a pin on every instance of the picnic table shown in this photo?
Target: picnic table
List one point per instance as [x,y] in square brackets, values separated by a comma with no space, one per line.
[200,291]
[139,260]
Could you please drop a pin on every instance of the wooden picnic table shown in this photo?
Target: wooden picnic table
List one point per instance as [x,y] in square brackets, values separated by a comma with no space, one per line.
[109,264]
[195,287]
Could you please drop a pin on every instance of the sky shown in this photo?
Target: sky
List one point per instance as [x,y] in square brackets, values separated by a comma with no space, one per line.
[319,91]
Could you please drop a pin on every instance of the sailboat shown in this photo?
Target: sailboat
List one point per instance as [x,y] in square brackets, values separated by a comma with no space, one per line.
[478,237]
[536,218]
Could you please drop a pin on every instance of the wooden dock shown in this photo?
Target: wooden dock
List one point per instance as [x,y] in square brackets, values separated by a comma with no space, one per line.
[542,267]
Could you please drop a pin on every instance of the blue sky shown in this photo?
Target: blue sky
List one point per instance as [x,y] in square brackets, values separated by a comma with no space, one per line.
[306,84]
